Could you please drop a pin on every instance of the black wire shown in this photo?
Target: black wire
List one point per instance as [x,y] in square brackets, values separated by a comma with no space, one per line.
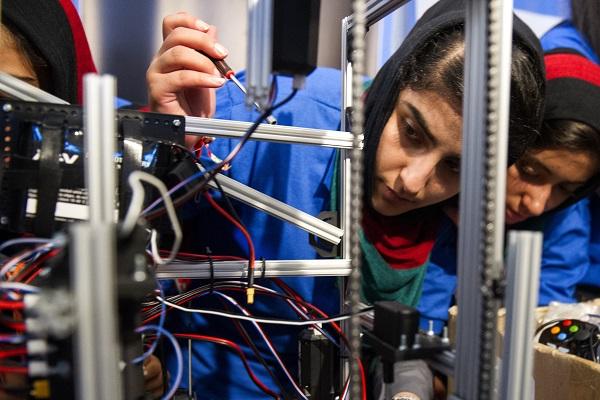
[210,175]
[246,336]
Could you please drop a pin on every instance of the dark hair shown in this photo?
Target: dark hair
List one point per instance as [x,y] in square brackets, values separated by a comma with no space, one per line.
[569,135]
[32,55]
[439,66]
[585,15]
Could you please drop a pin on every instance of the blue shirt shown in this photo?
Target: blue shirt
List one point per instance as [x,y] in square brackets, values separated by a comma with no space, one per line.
[592,276]
[299,175]
[564,262]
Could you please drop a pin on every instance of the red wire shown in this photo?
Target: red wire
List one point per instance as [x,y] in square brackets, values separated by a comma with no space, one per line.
[238,350]
[17,326]
[361,368]
[299,299]
[11,305]
[224,213]
[13,352]
[14,370]
[204,256]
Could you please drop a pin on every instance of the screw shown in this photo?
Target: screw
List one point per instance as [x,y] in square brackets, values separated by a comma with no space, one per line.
[445,338]
[177,122]
[7,107]
[4,220]
[403,342]
[430,331]
[417,343]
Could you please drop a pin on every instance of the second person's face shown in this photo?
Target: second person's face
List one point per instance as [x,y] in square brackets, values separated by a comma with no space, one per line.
[542,180]
[418,157]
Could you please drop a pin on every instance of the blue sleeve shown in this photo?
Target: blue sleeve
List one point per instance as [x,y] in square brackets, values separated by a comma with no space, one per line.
[439,284]
[592,277]
[565,256]
[566,36]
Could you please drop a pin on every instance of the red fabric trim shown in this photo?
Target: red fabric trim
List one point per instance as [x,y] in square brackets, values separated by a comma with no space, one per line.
[572,66]
[84,61]
[403,242]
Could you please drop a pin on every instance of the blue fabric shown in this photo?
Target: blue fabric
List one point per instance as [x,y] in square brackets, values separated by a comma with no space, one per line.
[592,277]
[299,175]
[565,35]
[564,262]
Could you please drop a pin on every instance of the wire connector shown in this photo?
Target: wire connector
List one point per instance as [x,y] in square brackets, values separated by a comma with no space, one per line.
[250,295]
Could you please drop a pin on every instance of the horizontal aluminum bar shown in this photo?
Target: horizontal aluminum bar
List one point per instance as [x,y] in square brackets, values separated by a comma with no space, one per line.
[20,90]
[378,9]
[274,133]
[278,209]
[239,269]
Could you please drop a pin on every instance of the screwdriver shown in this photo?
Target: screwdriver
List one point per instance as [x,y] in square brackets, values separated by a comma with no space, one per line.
[225,70]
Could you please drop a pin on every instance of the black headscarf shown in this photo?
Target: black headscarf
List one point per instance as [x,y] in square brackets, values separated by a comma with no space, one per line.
[383,93]
[45,26]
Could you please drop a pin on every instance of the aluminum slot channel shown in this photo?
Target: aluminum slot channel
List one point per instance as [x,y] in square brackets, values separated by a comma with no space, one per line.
[21,90]
[259,51]
[523,273]
[99,145]
[82,278]
[268,132]
[239,269]
[379,9]
[488,44]
[278,209]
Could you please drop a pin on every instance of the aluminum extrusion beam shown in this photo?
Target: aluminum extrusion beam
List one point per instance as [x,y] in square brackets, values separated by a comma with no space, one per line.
[523,277]
[239,269]
[278,209]
[488,47]
[273,133]
[100,237]
[379,9]
[21,90]
[260,51]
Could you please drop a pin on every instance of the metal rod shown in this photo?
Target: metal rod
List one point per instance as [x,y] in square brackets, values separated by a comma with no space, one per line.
[278,209]
[260,49]
[99,146]
[239,269]
[274,133]
[523,273]
[21,90]
[379,9]
[488,43]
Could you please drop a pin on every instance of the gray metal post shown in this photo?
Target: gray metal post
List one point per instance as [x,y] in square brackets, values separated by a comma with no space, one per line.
[94,260]
[488,43]
[260,49]
[523,273]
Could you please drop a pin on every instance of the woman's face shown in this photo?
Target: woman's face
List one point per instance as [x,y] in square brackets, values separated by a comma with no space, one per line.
[542,180]
[418,157]
[13,61]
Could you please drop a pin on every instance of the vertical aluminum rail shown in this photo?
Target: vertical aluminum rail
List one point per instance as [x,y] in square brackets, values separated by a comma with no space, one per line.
[488,44]
[359,8]
[94,261]
[523,276]
[260,51]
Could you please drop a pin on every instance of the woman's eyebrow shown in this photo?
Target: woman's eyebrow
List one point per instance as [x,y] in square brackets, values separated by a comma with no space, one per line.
[418,116]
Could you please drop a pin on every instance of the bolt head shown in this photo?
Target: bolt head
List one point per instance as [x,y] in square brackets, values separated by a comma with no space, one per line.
[7,107]
[177,122]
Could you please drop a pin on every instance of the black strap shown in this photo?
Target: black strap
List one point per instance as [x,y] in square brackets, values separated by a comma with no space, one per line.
[264,268]
[49,177]
[133,150]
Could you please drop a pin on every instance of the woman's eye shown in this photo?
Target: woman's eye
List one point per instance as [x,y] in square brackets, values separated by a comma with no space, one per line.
[410,132]
[528,169]
[453,166]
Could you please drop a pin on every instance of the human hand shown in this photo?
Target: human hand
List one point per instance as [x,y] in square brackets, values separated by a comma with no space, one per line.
[153,379]
[180,79]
